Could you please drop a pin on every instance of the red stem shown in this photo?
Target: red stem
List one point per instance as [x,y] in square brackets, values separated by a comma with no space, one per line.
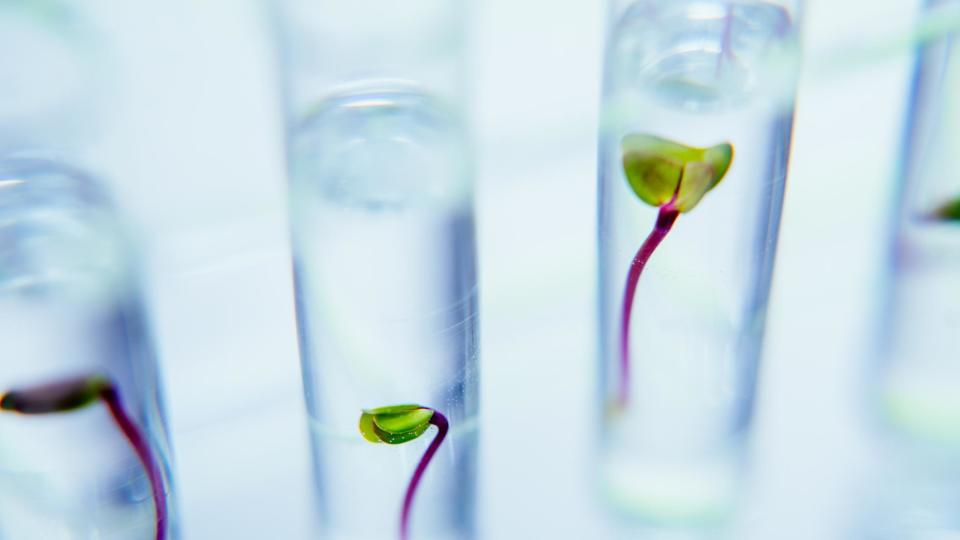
[665,220]
[133,434]
[443,426]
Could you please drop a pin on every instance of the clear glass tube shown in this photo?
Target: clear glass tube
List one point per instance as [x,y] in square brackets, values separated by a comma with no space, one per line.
[917,373]
[93,463]
[384,258]
[684,284]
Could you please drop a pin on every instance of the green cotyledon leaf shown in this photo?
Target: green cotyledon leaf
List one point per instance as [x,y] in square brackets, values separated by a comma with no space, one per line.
[366,428]
[653,177]
[660,171]
[697,179]
[949,211]
[400,438]
[403,422]
[395,424]
[719,156]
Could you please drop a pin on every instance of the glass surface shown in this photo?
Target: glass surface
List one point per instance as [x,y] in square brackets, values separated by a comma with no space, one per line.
[909,504]
[386,300]
[54,83]
[698,73]
[70,307]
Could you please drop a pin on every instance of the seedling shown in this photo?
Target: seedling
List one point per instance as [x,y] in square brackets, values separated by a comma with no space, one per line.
[949,211]
[398,424]
[78,393]
[674,178]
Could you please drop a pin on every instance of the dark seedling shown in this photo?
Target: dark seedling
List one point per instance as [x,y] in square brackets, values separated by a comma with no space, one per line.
[77,393]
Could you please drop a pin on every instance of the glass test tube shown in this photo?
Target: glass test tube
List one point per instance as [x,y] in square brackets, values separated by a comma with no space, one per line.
[696,93]
[384,257]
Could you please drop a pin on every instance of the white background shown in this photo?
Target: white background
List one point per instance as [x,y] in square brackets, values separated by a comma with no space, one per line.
[211,213]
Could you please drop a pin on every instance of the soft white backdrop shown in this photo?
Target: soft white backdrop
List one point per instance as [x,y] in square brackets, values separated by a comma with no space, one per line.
[210,208]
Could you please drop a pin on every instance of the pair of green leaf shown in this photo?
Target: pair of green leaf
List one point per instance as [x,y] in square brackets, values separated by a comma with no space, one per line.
[660,171]
[395,424]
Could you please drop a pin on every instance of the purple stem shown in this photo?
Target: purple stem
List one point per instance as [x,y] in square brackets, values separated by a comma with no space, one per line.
[443,426]
[133,434]
[665,220]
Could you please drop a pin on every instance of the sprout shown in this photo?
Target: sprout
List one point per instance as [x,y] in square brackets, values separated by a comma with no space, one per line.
[666,173]
[949,211]
[398,424]
[673,177]
[77,393]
